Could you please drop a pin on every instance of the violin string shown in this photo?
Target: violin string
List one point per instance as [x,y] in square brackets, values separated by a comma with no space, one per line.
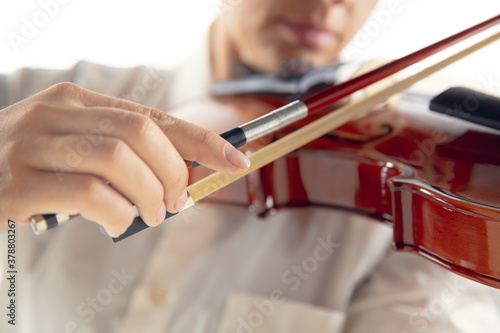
[326,124]
[282,117]
[218,180]
[329,95]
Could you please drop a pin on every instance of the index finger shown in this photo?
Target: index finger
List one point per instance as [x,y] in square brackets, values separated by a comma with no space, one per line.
[203,146]
[192,142]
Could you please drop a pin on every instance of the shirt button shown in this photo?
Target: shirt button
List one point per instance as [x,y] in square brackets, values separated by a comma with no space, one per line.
[157,296]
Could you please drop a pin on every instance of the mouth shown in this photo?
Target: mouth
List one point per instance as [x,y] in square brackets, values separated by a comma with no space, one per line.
[309,35]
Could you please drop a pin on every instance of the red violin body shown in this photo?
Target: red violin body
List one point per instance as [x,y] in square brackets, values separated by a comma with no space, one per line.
[434,178]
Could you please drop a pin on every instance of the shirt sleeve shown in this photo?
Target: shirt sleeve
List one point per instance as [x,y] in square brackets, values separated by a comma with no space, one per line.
[407,294]
[25,82]
[140,84]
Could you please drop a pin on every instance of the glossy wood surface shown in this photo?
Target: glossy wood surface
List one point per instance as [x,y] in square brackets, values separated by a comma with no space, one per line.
[435,178]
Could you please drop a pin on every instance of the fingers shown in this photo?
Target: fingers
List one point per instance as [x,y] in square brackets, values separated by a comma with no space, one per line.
[87,98]
[205,147]
[85,194]
[112,160]
[137,131]
[193,142]
[137,128]
[152,144]
[70,93]
[72,151]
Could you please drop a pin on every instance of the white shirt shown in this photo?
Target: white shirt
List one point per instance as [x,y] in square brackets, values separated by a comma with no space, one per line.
[214,269]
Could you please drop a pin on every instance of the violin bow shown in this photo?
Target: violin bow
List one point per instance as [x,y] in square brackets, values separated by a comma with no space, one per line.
[300,109]
[325,124]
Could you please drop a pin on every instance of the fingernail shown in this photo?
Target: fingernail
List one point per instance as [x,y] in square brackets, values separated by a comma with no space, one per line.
[181,202]
[161,214]
[236,157]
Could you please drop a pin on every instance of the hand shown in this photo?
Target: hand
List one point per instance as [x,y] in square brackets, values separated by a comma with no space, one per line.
[70,150]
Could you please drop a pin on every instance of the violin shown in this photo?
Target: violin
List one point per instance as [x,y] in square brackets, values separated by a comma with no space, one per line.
[437,187]
[432,177]
[434,183]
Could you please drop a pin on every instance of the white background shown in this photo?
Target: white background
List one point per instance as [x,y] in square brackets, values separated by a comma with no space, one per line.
[161,32]
[112,32]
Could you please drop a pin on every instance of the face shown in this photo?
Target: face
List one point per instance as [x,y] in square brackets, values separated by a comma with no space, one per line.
[267,33]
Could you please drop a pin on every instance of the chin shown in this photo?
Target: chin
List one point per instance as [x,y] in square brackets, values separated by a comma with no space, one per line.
[270,52]
[317,58]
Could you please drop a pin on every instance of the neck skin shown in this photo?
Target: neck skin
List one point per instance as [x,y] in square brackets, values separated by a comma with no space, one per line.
[222,52]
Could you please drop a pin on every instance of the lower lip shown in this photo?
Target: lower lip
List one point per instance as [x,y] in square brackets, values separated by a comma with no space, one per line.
[310,37]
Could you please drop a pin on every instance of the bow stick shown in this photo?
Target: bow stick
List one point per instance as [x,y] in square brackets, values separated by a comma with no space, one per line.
[296,110]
